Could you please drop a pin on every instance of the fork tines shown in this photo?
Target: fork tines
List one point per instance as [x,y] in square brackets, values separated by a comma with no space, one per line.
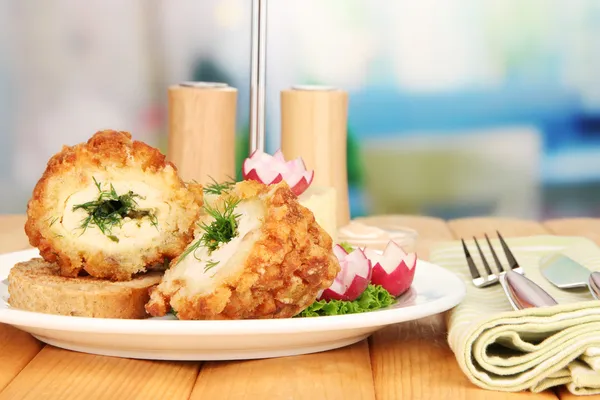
[490,278]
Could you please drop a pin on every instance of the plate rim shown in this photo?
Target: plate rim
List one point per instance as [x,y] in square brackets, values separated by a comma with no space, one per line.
[377,318]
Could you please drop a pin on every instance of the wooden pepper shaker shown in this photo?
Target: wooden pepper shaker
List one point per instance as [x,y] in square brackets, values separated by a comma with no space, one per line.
[314,127]
[202,130]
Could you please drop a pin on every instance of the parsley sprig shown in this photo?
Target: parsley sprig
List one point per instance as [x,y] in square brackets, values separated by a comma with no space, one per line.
[110,209]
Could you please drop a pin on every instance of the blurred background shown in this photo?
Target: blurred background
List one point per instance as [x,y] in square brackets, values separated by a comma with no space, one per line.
[457,107]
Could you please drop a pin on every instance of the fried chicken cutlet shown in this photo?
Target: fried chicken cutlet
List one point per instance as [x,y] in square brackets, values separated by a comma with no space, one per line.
[257,254]
[111,207]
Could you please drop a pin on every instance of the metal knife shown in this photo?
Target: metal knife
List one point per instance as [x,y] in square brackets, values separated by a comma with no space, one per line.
[566,273]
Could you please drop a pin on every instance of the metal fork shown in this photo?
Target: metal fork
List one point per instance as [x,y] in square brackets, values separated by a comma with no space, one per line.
[491,278]
[520,291]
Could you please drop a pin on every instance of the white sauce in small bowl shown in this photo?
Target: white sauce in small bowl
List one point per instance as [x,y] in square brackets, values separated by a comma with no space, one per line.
[360,234]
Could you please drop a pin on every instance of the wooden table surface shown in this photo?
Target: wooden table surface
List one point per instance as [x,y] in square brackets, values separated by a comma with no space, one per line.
[406,361]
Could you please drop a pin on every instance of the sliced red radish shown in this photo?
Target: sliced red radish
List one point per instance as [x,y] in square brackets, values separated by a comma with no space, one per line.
[279,156]
[271,169]
[353,278]
[394,270]
[340,252]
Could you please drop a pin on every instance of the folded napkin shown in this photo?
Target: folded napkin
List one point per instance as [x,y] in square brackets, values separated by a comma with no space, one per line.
[533,349]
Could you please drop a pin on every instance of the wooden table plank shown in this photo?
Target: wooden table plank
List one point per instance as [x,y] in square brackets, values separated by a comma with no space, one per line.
[588,227]
[60,374]
[17,348]
[338,374]
[469,227]
[12,233]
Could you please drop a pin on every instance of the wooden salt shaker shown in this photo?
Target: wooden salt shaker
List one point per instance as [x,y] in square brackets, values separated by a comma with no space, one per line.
[314,127]
[202,131]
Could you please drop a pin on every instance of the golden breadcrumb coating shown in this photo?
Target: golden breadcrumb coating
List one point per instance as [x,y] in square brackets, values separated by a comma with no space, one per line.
[111,162]
[275,268]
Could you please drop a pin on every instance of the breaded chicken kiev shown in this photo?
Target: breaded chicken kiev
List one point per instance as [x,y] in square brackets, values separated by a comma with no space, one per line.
[257,254]
[111,207]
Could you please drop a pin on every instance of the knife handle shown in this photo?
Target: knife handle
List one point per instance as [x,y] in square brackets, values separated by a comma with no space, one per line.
[525,293]
[594,283]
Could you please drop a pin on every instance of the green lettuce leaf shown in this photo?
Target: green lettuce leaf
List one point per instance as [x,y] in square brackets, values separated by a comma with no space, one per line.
[346,246]
[373,298]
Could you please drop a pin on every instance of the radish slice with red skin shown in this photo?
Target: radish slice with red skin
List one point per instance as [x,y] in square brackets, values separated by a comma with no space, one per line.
[259,161]
[394,270]
[252,175]
[271,169]
[340,252]
[353,278]
[336,291]
[279,155]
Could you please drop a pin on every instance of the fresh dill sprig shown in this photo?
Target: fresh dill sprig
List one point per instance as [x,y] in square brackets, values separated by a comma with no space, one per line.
[221,230]
[210,264]
[190,249]
[219,187]
[109,210]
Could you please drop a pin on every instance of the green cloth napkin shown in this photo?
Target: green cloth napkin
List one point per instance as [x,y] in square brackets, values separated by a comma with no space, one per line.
[534,349]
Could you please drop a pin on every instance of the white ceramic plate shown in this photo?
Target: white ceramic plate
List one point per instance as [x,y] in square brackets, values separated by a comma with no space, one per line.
[434,290]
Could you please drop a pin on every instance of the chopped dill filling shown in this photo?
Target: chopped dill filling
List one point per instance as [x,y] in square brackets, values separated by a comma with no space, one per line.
[210,264]
[221,230]
[110,209]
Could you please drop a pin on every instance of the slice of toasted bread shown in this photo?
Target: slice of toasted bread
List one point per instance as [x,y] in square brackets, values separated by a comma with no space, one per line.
[36,285]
